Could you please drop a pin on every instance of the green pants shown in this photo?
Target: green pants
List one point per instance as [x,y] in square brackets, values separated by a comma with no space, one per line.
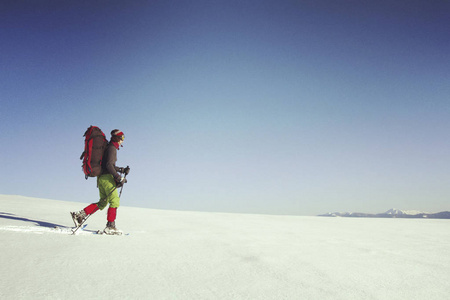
[106,186]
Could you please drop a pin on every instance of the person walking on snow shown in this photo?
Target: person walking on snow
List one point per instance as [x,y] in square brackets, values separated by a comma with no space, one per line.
[107,183]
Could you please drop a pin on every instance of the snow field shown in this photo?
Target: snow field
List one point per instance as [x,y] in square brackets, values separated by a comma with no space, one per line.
[197,255]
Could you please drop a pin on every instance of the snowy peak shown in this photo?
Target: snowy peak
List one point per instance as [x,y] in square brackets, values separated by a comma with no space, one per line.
[394,211]
[397,212]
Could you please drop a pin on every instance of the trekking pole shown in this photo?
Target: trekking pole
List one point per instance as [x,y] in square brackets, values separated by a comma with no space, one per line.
[122,184]
[106,197]
[115,188]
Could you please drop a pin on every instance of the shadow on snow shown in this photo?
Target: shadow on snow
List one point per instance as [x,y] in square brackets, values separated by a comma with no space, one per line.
[37,222]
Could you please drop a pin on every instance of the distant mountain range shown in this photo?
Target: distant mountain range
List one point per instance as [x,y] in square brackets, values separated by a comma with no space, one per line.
[392,213]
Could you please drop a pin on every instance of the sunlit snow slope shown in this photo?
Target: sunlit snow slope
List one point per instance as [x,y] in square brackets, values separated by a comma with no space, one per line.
[193,255]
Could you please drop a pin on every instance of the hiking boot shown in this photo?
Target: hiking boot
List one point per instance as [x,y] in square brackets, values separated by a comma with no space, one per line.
[78,217]
[111,229]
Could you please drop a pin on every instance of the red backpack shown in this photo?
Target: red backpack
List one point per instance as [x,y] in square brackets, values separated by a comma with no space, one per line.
[94,146]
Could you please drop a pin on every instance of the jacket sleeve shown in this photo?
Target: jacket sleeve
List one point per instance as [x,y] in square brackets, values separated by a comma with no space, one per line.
[111,163]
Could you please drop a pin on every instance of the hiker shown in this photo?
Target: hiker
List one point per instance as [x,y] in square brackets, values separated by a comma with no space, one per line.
[108,182]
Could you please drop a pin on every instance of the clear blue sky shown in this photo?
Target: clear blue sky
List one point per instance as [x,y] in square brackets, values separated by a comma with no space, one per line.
[282,107]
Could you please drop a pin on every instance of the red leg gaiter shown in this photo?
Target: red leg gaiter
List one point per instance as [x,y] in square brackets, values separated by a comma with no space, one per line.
[90,209]
[112,212]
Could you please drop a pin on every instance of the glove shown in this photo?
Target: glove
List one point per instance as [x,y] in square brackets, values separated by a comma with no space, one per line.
[121,182]
[126,170]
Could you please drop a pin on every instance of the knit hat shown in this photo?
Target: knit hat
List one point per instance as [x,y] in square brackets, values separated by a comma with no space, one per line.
[117,134]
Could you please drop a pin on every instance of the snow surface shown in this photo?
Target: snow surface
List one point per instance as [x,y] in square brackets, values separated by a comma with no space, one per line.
[198,255]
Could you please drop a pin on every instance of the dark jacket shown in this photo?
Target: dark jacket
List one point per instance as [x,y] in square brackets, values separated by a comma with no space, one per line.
[109,162]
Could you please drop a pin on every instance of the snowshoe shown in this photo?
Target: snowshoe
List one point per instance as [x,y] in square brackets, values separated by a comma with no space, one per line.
[111,229]
[78,217]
